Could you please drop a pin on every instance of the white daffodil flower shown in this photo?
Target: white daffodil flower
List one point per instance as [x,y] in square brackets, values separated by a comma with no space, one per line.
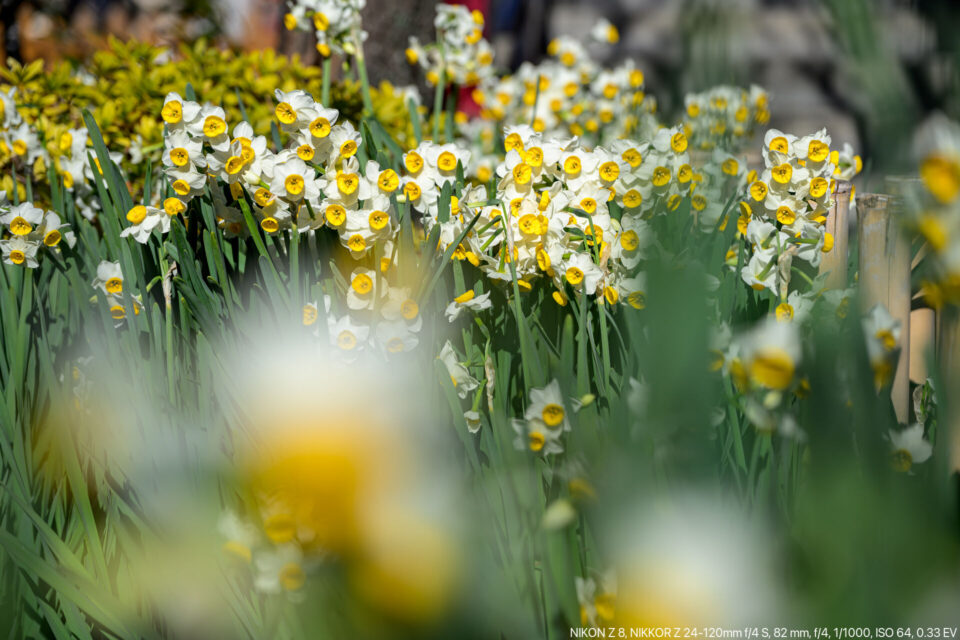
[293,180]
[796,308]
[362,293]
[118,309]
[22,219]
[771,354]
[240,538]
[535,436]
[24,143]
[882,334]
[468,300]
[581,272]
[182,152]
[461,378]
[143,221]
[345,140]
[597,598]
[187,184]
[394,336]
[633,291]
[177,113]
[909,447]
[472,419]
[347,335]
[293,110]
[109,278]
[280,570]
[20,251]
[398,305]
[210,126]
[52,231]
[547,406]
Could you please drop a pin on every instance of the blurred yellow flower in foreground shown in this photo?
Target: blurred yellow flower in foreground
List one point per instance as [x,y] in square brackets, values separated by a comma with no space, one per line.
[692,562]
[336,469]
[312,481]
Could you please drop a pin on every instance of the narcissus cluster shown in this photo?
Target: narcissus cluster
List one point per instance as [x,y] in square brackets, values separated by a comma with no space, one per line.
[564,282]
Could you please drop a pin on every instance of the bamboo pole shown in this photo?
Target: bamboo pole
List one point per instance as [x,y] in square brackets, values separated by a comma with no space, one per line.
[834,262]
[922,341]
[884,262]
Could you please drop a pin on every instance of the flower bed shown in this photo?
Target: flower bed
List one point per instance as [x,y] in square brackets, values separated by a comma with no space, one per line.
[288,359]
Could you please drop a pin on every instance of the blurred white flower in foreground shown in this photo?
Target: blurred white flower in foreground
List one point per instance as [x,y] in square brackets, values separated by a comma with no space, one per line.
[909,447]
[691,562]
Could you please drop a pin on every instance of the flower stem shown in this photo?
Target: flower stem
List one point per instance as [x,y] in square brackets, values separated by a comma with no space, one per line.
[325,91]
[438,104]
[362,72]
[449,123]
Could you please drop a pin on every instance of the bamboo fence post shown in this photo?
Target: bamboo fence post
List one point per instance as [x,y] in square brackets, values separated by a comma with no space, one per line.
[924,330]
[884,260]
[922,340]
[834,262]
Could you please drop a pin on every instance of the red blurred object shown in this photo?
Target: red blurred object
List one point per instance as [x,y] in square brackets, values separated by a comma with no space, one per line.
[465,101]
[474,5]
